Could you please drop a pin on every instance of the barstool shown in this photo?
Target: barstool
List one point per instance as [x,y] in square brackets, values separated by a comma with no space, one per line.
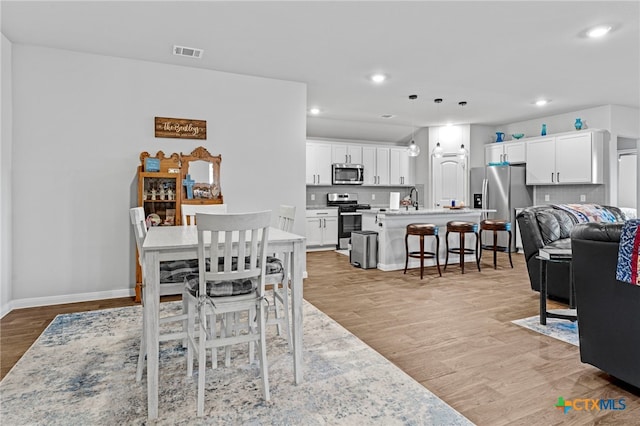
[462,228]
[421,229]
[495,225]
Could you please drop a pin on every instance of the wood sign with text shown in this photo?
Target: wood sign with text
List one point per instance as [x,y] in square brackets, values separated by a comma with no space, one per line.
[181,128]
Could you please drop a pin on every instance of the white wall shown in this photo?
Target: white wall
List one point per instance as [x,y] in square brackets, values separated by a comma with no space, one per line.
[80,123]
[5,178]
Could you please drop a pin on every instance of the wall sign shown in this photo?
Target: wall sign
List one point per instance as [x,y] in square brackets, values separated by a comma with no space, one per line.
[181,128]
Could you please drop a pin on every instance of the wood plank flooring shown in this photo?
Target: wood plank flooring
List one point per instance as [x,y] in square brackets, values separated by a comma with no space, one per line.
[452,334]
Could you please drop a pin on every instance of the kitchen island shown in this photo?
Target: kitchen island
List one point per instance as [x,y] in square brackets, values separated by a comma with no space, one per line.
[391,227]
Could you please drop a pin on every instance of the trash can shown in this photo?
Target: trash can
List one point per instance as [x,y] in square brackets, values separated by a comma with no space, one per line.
[363,252]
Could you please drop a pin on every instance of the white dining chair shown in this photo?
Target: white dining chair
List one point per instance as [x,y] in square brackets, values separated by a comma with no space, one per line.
[175,272]
[279,278]
[189,211]
[232,282]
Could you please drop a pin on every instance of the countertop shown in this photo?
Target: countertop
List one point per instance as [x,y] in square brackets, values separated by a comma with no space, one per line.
[424,211]
[321,207]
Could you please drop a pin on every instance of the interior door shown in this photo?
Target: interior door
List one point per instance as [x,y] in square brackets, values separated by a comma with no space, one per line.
[627,179]
[449,180]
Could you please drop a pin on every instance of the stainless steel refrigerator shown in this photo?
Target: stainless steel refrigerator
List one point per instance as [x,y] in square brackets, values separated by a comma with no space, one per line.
[503,189]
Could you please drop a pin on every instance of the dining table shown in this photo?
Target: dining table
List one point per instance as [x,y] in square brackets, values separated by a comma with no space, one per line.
[166,243]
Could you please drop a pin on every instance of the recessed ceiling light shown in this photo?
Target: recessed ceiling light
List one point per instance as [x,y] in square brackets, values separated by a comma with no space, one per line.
[542,102]
[378,78]
[598,31]
[314,111]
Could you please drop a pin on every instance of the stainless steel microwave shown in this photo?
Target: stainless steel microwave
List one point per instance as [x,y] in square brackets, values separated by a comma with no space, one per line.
[347,174]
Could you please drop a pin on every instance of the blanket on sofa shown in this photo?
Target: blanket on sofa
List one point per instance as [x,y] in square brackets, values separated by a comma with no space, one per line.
[629,253]
[587,212]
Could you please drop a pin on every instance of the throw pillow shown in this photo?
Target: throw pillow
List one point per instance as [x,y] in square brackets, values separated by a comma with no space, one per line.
[549,226]
[565,222]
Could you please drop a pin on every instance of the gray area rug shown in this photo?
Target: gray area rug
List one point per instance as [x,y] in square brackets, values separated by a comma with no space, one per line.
[81,371]
[564,330]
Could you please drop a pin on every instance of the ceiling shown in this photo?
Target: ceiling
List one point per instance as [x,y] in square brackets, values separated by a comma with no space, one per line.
[498,56]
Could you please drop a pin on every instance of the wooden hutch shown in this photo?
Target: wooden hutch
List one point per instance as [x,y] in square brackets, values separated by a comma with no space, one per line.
[166,183]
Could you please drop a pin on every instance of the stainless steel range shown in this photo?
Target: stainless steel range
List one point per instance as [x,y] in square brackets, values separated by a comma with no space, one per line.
[349,218]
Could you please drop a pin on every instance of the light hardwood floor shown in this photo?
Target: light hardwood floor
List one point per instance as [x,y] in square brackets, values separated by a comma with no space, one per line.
[452,334]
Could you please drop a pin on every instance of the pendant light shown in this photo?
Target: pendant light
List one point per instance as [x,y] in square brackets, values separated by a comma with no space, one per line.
[462,152]
[413,148]
[437,151]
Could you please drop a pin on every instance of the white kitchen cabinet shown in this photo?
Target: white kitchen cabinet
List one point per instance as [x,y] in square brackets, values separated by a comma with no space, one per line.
[318,163]
[347,154]
[322,228]
[511,152]
[399,167]
[376,165]
[573,158]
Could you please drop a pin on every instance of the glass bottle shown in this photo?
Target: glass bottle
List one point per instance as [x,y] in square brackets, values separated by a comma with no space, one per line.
[544,130]
[578,124]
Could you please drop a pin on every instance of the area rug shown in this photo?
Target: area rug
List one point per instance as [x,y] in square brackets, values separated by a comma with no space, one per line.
[564,330]
[81,371]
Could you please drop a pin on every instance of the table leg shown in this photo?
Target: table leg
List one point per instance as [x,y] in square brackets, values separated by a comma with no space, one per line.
[297,265]
[543,292]
[151,306]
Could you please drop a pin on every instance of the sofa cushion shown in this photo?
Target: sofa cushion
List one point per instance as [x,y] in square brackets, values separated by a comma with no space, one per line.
[549,226]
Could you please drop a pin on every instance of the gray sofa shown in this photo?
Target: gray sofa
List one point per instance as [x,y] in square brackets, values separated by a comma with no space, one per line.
[550,226]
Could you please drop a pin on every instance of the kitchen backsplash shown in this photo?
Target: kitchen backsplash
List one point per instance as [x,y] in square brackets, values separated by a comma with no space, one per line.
[376,196]
[558,194]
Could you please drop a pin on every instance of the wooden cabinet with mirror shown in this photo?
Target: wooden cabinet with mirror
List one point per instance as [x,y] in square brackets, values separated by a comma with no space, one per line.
[201,177]
[165,183]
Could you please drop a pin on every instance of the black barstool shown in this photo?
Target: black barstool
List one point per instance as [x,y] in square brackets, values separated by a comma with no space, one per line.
[421,229]
[462,228]
[496,225]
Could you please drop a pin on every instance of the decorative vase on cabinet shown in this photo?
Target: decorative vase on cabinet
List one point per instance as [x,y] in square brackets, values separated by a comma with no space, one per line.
[578,124]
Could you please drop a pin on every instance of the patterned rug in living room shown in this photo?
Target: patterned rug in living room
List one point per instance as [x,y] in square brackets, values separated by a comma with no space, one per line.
[560,329]
[81,371]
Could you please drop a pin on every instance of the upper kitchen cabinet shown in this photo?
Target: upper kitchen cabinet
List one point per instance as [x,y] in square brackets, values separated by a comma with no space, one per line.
[376,165]
[318,163]
[347,154]
[511,152]
[399,167]
[571,158]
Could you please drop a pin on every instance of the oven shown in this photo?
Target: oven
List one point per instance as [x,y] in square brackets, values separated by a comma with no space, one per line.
[348,221]
[349,218]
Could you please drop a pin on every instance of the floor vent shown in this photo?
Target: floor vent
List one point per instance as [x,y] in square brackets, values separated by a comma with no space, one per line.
[190,52]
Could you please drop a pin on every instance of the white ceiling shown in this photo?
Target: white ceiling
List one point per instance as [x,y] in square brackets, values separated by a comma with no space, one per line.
[498,56]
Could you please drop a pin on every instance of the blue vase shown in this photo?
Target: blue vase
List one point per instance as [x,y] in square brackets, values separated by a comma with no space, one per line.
[544,130]
[499,137]
[578,124]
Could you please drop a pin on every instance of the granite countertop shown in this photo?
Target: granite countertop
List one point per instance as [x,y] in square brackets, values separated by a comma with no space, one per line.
[424,211]
[321,207]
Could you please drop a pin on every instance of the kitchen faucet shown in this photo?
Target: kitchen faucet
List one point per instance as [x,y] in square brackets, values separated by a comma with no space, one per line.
[413,188]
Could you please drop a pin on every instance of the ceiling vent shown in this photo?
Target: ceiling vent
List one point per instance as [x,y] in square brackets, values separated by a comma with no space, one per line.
[189,52]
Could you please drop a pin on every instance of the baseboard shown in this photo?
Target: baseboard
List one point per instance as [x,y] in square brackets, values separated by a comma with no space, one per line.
[67,298]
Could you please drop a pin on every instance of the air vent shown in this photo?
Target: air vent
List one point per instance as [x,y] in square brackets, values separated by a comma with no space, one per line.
[190,52]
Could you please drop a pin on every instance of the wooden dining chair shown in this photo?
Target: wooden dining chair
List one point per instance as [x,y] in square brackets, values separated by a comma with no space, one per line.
[278,276]
[189,211]
[173,274]
[235,283]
